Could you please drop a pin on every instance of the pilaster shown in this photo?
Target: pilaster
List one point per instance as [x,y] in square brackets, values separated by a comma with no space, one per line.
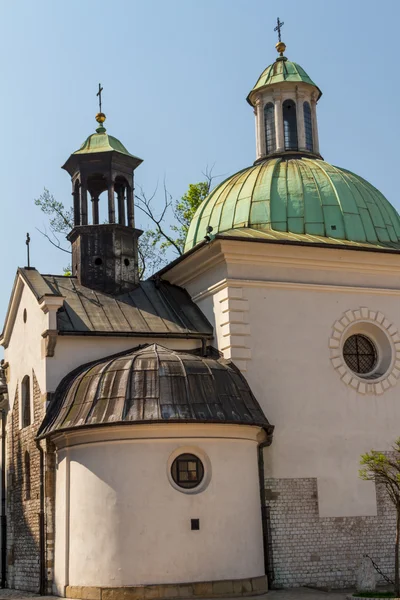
[234,334]
[260,136]
[301,132]
[280,142]
[314,122]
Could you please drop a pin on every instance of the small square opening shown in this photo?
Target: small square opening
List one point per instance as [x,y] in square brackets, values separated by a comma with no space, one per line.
[195,524]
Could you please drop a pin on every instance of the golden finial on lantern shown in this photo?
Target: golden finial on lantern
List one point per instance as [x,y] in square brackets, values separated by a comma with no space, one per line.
[100,117]
[280,47]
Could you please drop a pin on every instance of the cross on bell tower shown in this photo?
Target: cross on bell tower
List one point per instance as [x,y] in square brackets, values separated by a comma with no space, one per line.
[99,94]
[104,256]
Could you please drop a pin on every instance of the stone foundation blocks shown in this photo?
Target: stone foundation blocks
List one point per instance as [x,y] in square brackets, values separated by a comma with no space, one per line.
[203,589]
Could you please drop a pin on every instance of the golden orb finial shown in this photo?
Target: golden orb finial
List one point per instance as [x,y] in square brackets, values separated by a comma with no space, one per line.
[280,47]
[100,117]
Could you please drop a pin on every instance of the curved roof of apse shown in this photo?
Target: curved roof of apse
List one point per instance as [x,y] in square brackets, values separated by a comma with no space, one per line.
[153,384]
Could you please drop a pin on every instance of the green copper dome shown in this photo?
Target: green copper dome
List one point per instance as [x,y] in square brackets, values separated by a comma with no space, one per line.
[102,142]
[298,199]
[282,70]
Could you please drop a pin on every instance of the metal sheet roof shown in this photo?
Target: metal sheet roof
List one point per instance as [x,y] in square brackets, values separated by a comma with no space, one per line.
[154,384]
[152,308]
[286,236]
[304,198]
[281,70]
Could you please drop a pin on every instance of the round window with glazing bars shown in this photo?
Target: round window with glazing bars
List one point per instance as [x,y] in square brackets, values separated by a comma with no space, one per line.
[360,354]
[187,471]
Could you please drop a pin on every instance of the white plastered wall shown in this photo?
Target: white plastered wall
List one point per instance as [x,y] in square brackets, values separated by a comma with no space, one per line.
[274,314]
[24,351]
[120,522]
[73,351]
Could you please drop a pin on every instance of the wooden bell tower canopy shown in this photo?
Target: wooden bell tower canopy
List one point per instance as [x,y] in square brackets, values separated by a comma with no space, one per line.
[104,255]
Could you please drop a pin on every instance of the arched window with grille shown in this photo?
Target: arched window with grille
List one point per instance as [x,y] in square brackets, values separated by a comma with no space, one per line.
[308,126]
[27,466]
[26,401]
[290,125]
[269,127]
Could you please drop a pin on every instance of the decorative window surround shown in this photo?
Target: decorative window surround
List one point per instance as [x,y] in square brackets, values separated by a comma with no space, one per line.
[338,337]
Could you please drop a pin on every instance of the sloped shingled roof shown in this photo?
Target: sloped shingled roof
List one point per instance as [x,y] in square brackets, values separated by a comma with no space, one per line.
[152,308]
[153,384]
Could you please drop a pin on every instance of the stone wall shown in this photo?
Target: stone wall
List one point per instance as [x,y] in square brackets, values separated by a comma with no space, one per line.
[23,499]
[306,549]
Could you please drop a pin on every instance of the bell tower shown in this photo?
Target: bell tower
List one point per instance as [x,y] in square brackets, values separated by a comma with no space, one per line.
[104,255]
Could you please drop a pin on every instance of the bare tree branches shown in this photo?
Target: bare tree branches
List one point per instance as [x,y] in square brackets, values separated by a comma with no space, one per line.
[145,205]
[169,223]
[62,220]
[56,243]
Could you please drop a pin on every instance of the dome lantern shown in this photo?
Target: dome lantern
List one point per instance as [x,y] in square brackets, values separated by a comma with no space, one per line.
[284,99]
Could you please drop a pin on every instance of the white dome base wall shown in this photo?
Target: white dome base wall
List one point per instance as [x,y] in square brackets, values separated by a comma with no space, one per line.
[124,524]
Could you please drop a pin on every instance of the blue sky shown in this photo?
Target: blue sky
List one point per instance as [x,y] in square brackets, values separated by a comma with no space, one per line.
[175,77]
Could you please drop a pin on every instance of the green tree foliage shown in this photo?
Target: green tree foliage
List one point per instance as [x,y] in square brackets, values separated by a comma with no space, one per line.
[185,209]
[384,469]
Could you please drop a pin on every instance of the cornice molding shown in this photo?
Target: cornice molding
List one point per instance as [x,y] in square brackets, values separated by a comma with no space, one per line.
[243,252]
[15,300]
[294,285]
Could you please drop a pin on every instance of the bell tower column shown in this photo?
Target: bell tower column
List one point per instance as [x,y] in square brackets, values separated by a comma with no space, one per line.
[130,207]
[121,204]
[95,209]
[111,201]
[77,202]
[84,205]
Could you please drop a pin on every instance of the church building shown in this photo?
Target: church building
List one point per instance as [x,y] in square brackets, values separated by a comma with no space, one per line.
[199,433]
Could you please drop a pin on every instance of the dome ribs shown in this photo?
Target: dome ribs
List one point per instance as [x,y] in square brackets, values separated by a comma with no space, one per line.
[260,208]
[301,199]
[153,384]
[313,211]
[295,199]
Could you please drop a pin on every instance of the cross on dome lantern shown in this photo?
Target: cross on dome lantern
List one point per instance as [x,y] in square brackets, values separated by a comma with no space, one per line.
[279,25]
[280,46]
